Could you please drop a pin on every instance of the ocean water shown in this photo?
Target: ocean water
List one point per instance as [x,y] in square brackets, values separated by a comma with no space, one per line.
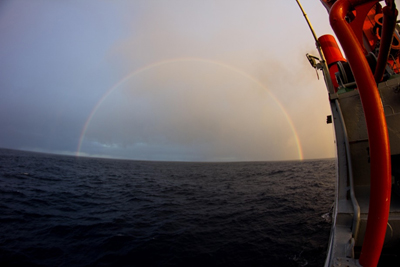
[67,211]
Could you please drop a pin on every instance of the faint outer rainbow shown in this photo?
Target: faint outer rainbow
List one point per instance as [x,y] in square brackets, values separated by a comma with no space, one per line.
[174,60]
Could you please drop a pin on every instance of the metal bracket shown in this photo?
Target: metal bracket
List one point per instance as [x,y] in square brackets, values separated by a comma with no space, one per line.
[333,96]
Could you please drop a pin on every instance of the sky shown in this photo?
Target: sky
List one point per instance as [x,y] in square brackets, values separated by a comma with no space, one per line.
[176,80]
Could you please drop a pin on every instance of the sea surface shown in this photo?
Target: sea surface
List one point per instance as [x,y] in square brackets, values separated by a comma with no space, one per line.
[67,211]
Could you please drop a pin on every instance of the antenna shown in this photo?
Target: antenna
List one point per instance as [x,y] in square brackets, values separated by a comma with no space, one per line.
[322,64]
[309,23]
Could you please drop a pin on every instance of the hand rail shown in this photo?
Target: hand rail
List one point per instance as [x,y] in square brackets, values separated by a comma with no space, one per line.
[377,132]
[389,24]
[356,206]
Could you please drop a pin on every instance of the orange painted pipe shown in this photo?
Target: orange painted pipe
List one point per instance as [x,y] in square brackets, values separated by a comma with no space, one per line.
[380,161]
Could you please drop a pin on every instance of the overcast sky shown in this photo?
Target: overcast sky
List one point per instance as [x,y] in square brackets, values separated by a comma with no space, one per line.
[210,80]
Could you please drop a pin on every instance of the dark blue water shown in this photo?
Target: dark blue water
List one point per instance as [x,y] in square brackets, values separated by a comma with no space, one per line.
[67,211]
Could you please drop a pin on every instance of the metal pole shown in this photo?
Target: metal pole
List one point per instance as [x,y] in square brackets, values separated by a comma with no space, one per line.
[325,68]
[309,23]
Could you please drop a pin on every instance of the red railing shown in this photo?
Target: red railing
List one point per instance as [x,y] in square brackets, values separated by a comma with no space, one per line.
[377,130]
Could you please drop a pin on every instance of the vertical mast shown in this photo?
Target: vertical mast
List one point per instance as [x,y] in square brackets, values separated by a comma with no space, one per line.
[309,23]
[323,65]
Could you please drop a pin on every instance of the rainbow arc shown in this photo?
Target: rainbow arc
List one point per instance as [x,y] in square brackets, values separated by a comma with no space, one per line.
[188,59]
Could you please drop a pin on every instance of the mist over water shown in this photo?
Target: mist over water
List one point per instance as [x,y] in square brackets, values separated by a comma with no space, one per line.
[59,59]
[59,210]
[194,110]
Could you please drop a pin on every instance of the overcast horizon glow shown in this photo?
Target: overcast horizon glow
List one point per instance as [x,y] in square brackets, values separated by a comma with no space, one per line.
[163,80]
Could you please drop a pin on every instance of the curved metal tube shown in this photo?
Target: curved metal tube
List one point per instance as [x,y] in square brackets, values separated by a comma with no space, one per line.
[356,207]
[377,132]
[389,24]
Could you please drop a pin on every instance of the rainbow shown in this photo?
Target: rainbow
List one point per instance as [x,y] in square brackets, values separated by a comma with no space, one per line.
[188,59]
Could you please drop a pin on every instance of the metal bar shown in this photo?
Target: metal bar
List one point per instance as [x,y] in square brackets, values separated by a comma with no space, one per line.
[308,22]
[389,24]
[356,207]
[379,204]
[325,68]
